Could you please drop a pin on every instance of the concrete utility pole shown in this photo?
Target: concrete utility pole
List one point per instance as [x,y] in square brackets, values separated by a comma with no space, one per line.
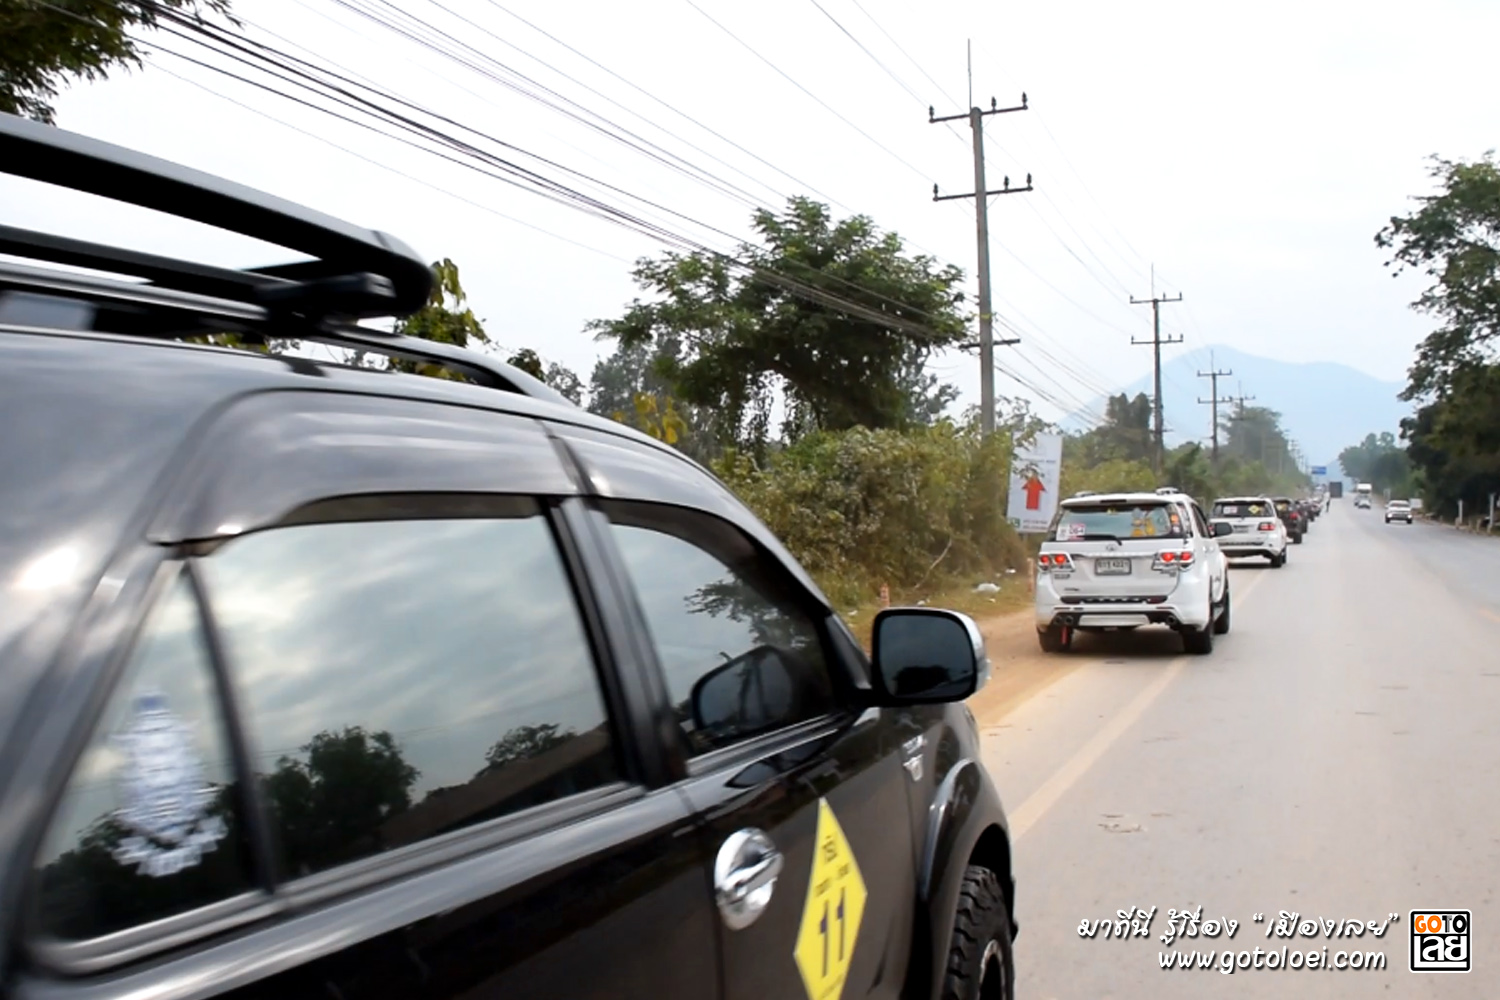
[1239,411]
[1156,342]
[981,194]
[1215,375]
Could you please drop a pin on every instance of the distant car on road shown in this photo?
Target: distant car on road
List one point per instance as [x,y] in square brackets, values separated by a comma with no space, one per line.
[1292,517]
[1117,561]
[1398,510]
[1254,529]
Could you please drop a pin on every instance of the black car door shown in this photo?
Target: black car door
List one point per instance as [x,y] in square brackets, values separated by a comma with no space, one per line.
[372,740]
[801,793]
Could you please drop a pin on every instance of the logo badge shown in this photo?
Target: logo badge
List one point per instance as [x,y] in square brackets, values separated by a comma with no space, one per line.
[165,797]
[1440,941]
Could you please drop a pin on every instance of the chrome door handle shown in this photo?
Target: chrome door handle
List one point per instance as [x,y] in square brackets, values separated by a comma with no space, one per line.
[745,874]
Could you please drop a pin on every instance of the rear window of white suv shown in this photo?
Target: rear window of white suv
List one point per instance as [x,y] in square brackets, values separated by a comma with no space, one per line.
[1241,508]
[1104,521]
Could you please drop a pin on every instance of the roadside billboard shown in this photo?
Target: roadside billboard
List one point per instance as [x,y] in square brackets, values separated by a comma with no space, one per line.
[1035,478]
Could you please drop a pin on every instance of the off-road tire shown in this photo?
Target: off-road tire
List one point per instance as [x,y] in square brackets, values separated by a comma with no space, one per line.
[1221,626]
[1278,561]
[1198,641]
[1055,638]
[980,965]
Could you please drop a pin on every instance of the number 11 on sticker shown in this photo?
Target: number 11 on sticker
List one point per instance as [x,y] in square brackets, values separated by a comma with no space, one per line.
[823,929]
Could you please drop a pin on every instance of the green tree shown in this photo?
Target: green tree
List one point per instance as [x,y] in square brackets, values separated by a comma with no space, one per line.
[44,44]
[1110,476]
[448,319]
[1454,237]
[524,742]
[748,338]
[629,386]
[332,801]
[1124,436]
[1379,460]
[1253,434]
[1454,442]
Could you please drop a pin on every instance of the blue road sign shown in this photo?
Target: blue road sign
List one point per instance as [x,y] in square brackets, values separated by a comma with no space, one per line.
[1320,470]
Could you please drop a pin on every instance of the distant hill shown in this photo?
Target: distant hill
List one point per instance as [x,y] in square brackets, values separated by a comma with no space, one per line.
[1324,406]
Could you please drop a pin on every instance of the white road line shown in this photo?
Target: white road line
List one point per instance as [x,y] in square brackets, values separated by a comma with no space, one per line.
[1065,777]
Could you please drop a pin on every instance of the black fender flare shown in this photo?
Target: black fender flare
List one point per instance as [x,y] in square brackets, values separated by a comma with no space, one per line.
[965,825]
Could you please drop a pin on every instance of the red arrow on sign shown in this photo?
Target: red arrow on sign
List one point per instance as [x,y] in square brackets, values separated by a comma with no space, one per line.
[1034,490]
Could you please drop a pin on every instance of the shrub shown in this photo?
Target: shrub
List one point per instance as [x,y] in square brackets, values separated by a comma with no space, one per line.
[861,507]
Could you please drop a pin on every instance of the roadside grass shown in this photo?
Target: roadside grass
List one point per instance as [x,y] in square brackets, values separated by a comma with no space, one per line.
[954,595]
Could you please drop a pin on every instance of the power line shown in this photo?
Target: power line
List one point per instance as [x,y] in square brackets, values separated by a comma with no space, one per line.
[462,151]
[821,103]
[833,278]
[672,108]
[560,192]
[387,167]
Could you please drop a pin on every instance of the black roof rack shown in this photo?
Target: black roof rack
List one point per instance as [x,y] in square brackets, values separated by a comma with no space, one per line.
[354,273]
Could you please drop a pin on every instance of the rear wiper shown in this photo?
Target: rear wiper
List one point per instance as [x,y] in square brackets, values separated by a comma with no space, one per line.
[1092,537]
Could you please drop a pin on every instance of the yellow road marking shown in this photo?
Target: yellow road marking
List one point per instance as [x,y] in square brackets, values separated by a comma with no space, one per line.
[1065,777]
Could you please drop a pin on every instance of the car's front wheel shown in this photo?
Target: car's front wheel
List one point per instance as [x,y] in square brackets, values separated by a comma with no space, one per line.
[980,965]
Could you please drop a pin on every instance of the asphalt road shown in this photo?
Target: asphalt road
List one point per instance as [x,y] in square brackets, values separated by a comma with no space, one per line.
[1338,757]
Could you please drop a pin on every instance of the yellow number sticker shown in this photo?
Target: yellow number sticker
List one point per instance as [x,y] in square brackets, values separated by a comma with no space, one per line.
[830,917]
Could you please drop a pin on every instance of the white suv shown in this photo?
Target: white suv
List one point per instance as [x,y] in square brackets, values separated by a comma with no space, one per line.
[1118,561]
[1255,529]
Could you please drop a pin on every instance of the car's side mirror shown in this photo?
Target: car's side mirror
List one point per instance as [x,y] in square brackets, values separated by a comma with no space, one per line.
[927,656]
[753,693]
[1221,529]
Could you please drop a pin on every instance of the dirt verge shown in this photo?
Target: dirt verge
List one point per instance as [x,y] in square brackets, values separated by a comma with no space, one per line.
[1018,667]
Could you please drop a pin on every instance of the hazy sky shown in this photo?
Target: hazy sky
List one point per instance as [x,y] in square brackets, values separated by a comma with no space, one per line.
[1249,152]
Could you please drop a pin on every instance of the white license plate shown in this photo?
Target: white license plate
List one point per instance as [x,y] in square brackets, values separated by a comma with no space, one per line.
[1112,567]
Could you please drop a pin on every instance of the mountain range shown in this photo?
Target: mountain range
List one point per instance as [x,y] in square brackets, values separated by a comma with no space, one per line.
[1324,406]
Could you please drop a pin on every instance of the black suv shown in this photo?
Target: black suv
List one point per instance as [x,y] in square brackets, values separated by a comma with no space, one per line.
[324,681]
[1292,516]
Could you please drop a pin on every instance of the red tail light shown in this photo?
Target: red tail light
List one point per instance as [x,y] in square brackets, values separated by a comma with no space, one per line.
[1267,526]
[1055,560]
[1172,559]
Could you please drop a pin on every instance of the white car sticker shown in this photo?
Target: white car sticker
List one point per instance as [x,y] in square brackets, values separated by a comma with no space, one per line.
[164,794]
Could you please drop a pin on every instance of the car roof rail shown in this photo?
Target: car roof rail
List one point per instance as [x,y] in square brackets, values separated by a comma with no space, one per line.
[353,273]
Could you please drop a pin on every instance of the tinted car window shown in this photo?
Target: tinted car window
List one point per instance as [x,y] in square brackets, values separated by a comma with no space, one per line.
[1118,520]
[1240,508]
[740,655]
[149,826]
[405,678]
